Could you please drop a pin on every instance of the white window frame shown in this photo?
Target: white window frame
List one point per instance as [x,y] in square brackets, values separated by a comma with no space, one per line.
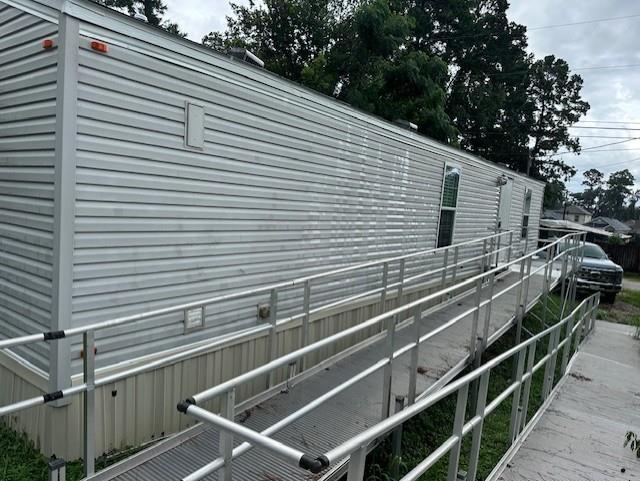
[453,209]
[526,213]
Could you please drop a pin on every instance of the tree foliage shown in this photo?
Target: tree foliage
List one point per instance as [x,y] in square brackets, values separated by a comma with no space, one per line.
[459,69]
[613,198]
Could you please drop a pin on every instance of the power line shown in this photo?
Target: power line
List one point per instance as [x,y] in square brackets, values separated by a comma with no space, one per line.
[583,22]
[595,67]
[542,27]
[607,122]
[593,148]
[614,163]
[602,128]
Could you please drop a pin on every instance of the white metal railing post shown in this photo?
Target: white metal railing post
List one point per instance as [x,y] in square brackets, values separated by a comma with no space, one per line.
[385,284]
[516,404]
[401,284]
[89,371]
[57,469]
[487,313]
[499,243]
[473,344]
[272,348]
[567,345]
[305,322]
[481,403]
[563,276]
[531,357]
[545,287]
[388,368]
[396,440]
[443,279]
[554,360]
[549,366]
[509,251]
[226,438]
[454,275]
[483,261]
[527,279]
[357,462]
[519,312]
[458,425]
[415,355]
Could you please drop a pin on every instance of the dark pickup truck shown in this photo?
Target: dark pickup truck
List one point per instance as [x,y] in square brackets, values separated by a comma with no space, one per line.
[599,273]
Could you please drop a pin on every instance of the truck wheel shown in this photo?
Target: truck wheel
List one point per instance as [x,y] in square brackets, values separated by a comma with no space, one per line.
[609,297]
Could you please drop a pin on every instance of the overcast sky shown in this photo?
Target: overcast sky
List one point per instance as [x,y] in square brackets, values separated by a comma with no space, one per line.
[614,94]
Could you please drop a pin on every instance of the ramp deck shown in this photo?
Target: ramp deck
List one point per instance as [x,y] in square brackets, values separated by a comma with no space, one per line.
[441,358]
[580,435]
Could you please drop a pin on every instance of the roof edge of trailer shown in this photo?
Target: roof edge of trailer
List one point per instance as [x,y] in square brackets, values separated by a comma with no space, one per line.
[90,12]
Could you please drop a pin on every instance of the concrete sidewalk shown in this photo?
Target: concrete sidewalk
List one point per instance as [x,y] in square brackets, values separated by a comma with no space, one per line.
[580,436]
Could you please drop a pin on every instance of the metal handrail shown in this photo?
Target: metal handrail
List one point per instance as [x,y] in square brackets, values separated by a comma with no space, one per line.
[88,331]
[229,386]
[53,335]
[295,355]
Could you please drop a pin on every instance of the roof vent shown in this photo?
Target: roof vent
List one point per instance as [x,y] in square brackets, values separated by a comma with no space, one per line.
[245,55]
[406,124]
[138,15]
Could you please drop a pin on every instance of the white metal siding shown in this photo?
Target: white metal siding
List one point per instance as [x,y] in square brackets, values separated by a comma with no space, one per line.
[27,127]
[281,189]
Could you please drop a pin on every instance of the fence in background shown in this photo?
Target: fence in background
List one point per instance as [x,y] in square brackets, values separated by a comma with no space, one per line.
[626,255]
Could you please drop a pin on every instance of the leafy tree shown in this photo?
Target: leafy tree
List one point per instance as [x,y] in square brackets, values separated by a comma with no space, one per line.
[286,34]
[558,104]
[375,73]
[617,193]
[444,65]
[593,181]
[555,195]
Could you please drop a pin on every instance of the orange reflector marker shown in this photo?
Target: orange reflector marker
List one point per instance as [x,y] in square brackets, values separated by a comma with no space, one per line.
[47,43]
[99,46]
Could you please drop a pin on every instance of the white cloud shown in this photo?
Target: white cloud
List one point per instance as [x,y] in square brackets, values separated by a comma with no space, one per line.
[199,17]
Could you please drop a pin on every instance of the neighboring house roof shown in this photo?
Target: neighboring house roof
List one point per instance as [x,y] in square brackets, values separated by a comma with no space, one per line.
[576,209]
[574,226]
[570,210]
[552,214]
[634,224]
[614,224]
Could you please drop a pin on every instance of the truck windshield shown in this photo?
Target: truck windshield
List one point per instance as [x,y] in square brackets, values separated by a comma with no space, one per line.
[594,251]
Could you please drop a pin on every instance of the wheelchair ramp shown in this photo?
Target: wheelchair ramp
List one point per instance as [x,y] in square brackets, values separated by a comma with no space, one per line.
[350,412]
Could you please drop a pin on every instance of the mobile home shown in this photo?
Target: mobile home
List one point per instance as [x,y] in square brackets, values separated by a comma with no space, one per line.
[139,170]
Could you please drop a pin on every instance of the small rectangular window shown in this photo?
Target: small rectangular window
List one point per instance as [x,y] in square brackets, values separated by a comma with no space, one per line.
[525,214]
[448,205]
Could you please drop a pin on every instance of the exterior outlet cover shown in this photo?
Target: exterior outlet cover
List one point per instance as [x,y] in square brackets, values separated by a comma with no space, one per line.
[264,311]
[194,126]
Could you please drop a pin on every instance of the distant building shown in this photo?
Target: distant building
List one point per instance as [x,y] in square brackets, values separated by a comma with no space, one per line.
[634,224]
[573,213]
[610,225]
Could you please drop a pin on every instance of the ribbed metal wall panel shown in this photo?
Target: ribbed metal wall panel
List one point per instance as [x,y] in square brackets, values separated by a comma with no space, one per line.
[284,187]
[27,132]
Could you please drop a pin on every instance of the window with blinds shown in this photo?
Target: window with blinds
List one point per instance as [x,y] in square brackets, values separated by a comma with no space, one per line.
[448,205]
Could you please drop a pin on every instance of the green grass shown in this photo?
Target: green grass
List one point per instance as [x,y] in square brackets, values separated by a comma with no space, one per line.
[632,276]
[424,433]
[626,309]
[21,461]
